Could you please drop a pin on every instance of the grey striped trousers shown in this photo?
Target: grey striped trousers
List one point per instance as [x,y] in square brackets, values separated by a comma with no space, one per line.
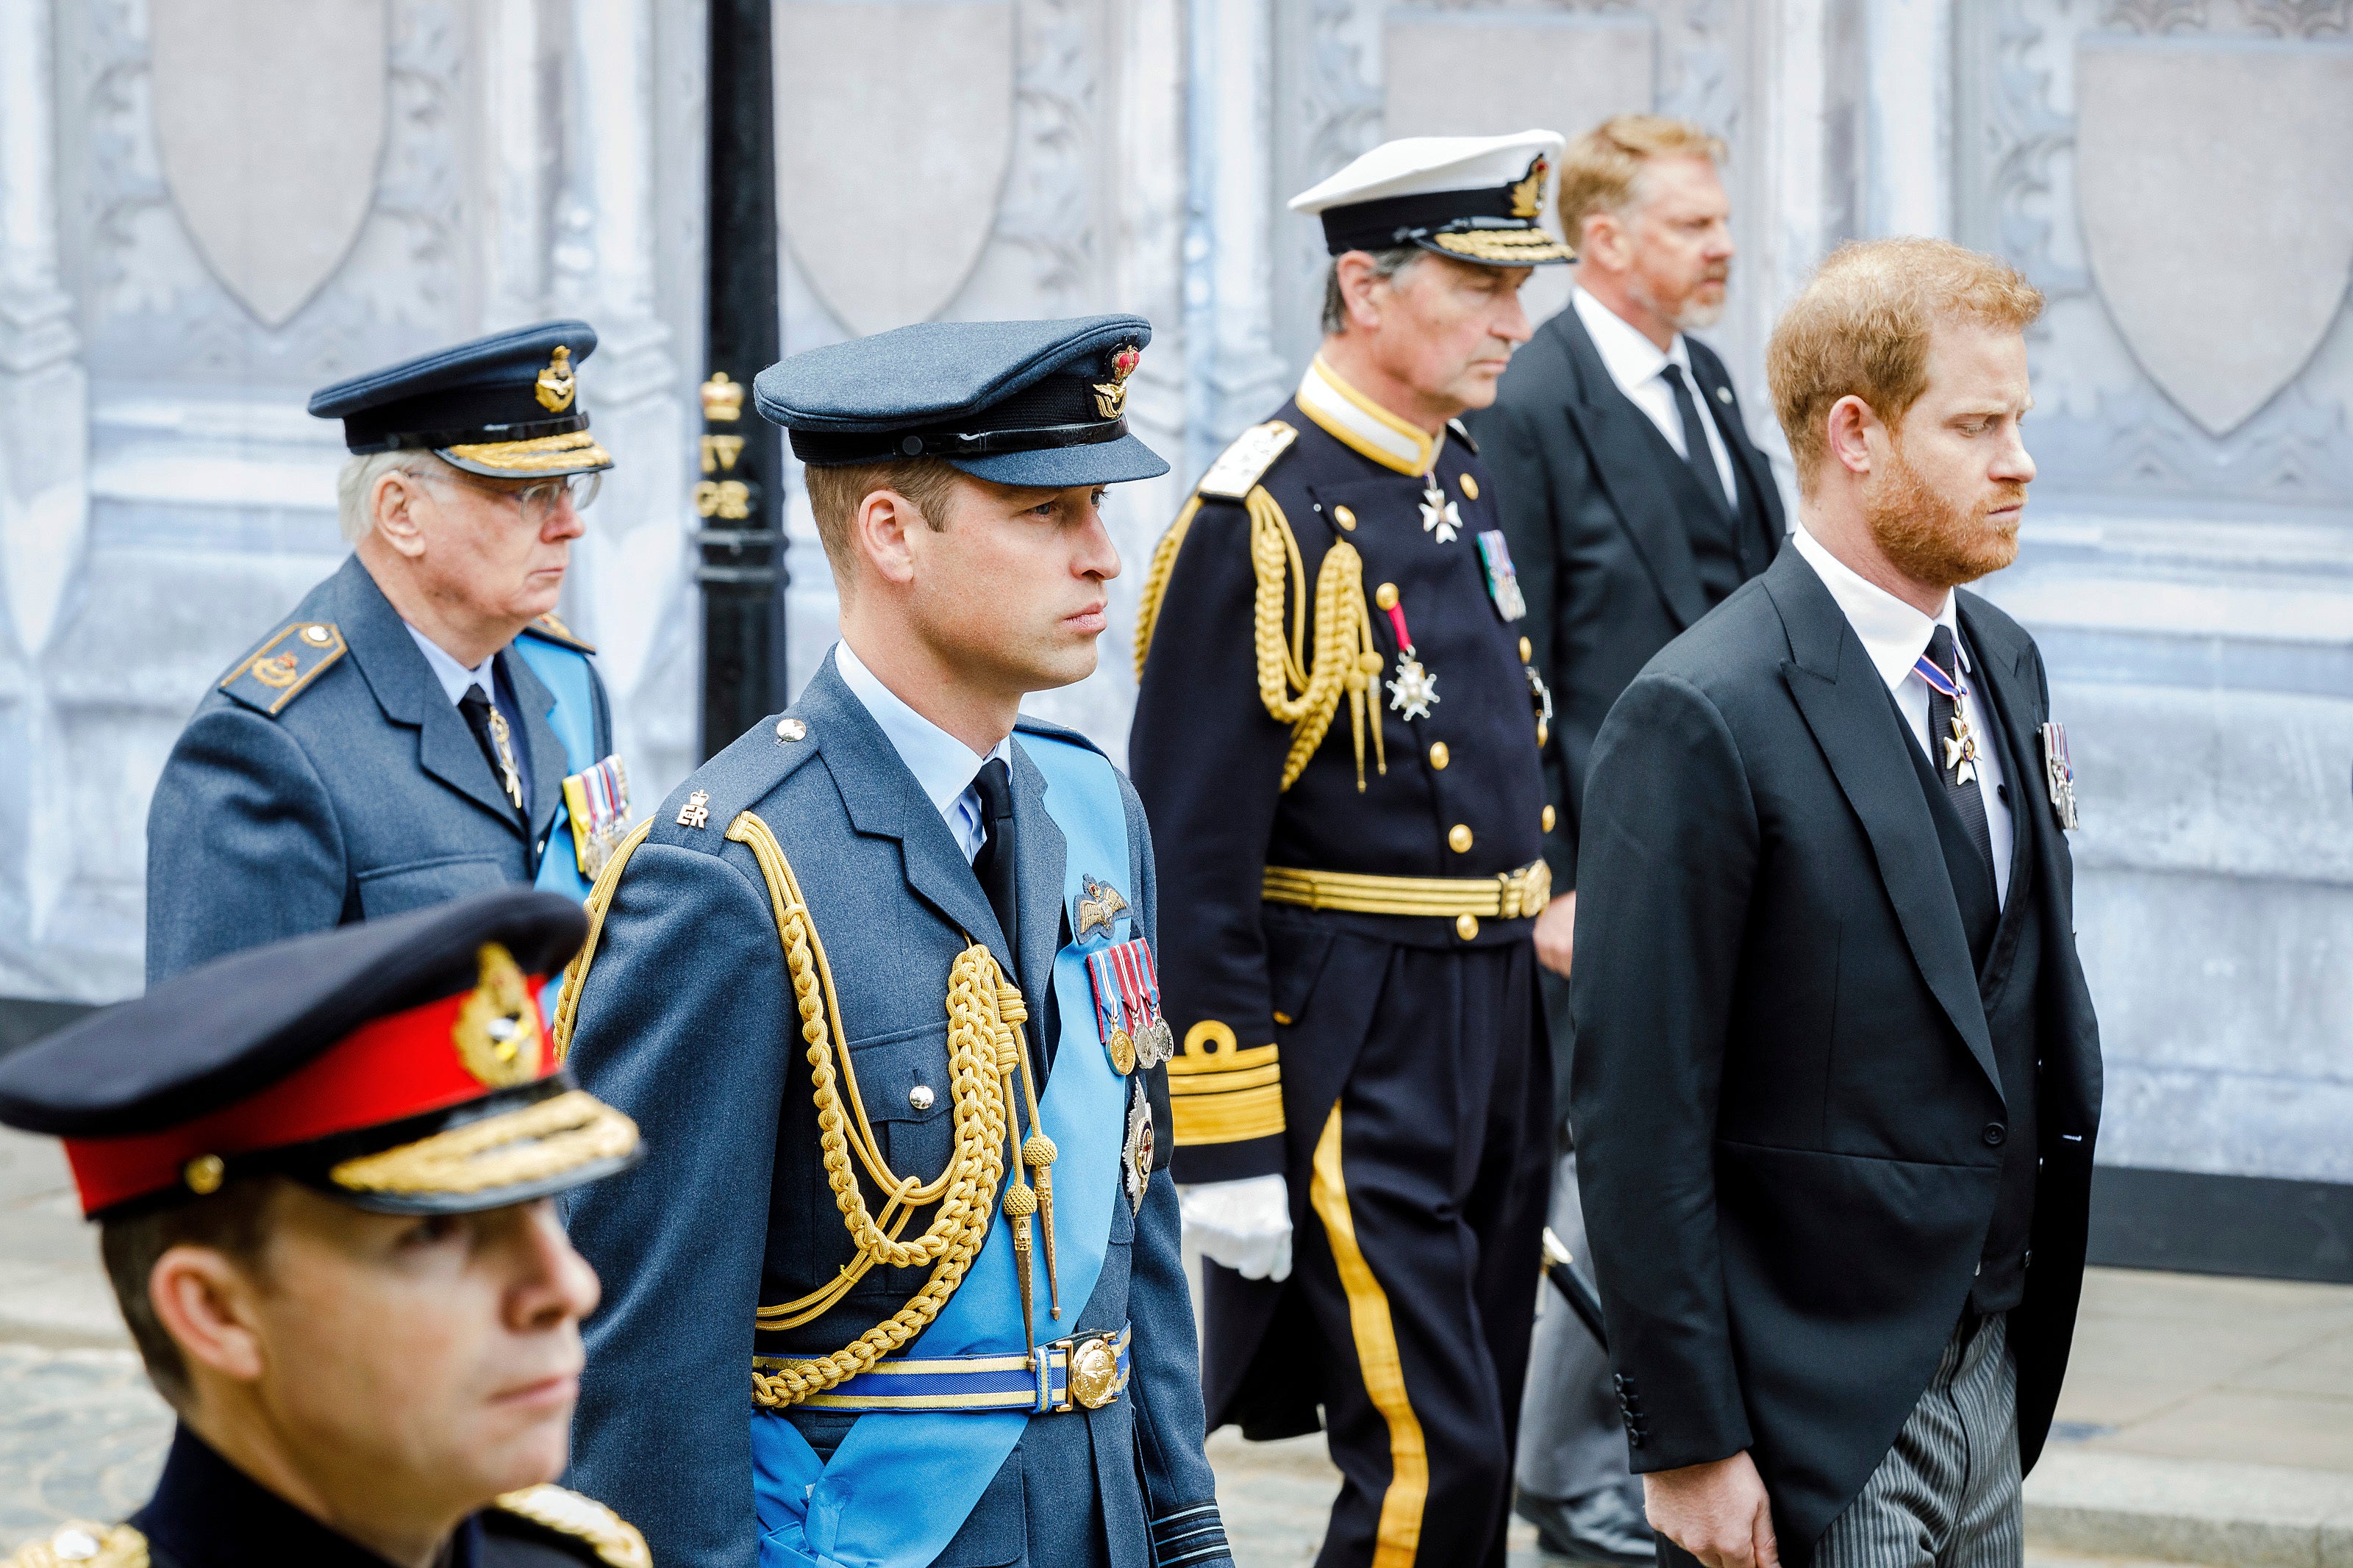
[1946,1494]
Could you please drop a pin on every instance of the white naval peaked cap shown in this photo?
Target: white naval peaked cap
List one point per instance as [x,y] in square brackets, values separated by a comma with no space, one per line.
[1474,198]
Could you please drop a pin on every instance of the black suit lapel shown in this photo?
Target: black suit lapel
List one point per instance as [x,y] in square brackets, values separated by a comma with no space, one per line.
[1755,470]
[1617,434]
[1845,705]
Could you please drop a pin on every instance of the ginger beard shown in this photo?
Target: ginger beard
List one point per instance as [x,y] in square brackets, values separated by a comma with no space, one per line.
[1931,538]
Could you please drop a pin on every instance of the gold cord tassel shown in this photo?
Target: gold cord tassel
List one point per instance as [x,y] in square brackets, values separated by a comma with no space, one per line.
[1344,661]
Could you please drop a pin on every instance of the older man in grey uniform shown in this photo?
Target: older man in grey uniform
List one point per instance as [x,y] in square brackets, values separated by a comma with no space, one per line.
[422,726]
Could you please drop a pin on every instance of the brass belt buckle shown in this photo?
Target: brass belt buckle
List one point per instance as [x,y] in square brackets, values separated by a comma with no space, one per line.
[1091,1381]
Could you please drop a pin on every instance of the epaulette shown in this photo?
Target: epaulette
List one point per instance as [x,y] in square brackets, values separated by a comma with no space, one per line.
[280,669]
[83,1545]
[1462,434]
[698,812]
[581,1518]
[1240,466]
[548,629]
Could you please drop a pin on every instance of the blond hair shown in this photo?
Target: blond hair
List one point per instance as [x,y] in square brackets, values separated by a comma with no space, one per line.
[1860,327]
[836,493]
[1599,171]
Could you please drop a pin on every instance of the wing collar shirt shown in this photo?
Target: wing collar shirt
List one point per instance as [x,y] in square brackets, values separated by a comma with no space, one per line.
[944,766]
[1638,367]
[1894,635]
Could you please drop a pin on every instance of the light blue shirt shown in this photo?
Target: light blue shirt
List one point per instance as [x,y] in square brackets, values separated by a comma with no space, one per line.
[455,677]
[944,766]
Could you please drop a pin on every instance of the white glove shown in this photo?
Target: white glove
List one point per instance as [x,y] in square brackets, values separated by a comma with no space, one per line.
[1244,1225]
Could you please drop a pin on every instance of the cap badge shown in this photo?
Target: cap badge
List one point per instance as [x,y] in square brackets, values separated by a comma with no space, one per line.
[1111,397]
[497,1032]
[555,387]
[1527,196]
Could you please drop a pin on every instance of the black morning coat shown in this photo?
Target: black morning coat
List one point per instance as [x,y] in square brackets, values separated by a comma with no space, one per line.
[1786,1105]
[1601,515]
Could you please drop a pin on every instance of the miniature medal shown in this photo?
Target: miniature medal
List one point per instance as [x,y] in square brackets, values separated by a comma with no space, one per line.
[2059,774]
[1127,1005]
[1439,514]
[597,802]
[1136,1156]
[1502,582]
[1156,1042]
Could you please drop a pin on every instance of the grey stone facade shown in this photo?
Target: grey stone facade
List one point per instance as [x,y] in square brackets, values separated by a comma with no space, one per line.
[2170,172]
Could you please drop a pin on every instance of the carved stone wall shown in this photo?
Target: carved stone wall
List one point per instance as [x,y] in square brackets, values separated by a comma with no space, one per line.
[509,174]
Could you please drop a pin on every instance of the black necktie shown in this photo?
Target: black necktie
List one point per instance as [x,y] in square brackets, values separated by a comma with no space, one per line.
[1696,452]
[1967,798]
[994,863]
[497,750]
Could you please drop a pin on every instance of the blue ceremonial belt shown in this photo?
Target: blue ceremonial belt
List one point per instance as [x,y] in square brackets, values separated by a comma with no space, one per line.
[566,672]
[903,1480]
[982,1382]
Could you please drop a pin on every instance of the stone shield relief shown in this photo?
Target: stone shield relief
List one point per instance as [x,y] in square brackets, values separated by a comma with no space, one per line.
[236,84]
[888,173]
[2216,197]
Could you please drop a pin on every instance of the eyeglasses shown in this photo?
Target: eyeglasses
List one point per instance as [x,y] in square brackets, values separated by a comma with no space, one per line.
[538,502]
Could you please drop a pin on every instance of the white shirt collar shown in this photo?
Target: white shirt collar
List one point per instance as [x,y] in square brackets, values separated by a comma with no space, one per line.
[1893,635]
[1631,358]
[1359,422]
[455,677]
[944,766]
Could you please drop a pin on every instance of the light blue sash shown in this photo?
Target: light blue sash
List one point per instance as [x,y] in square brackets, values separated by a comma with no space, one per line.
[902,1483]
[574,718]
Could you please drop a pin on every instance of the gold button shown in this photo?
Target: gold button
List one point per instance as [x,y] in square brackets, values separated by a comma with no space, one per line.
[1527,651]
[1386,596]
[204,1174]
[1458,839]
[1344,517]
[1283,1018]
[1470,487]
[1466,926]
[1438,755]
[1549,819]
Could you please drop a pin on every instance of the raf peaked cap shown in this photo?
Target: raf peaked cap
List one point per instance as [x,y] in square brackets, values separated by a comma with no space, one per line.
[506,406]
[1018,402]
[398,1065]
[1474,198]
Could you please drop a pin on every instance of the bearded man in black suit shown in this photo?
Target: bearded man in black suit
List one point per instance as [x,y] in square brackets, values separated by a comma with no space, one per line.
[1837,1074]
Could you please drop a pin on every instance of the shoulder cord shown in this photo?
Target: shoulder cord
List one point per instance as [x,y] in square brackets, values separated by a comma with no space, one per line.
[1344,660]
[986,1049]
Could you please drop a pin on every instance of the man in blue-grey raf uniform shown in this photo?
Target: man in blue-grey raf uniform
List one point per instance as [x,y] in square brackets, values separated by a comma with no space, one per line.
[1336,738]
[422,726]
[902,1284]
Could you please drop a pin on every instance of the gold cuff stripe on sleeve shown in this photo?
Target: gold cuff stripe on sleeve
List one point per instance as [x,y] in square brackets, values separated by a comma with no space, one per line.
[1227,1082]
[1232,1118]
[1507,896]
[1195,1062]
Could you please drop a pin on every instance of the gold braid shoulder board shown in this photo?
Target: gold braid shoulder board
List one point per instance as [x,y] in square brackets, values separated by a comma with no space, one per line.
[1304,674]
[985,1049]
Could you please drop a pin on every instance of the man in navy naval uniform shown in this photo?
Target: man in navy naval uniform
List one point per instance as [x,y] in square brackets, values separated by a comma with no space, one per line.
[902,1284]
[1336,740]
[422,726]
[322,1170]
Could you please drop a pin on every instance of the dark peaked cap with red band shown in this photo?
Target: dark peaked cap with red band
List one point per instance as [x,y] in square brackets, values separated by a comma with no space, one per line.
[399,1065]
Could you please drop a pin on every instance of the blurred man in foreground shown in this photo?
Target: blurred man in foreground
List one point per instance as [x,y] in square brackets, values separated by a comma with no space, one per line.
[1836,1073]
[422,727]
[321,1171]
[1635,502]
[1343,789]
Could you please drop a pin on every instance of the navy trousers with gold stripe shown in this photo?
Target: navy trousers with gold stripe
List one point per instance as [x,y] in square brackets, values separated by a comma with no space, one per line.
[1417,1251]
